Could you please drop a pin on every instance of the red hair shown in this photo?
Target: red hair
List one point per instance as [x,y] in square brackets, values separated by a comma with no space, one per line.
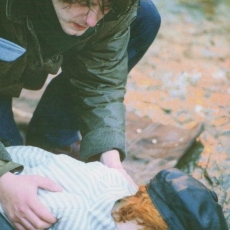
[140,208]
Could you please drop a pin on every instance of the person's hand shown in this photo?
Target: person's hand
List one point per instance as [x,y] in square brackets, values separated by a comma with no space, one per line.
[19,200]
[112,160]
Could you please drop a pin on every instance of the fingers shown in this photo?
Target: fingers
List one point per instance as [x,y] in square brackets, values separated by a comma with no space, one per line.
[26,225]
[29,221]
[26,218]
[18,226]
[38,208]
[40,221]
[48,184]
[42,213]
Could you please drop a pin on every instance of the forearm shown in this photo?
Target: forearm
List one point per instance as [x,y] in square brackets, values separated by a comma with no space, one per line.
[111,159]
[98,93]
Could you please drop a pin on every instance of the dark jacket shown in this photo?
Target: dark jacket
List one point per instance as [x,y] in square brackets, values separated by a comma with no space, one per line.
[96,67]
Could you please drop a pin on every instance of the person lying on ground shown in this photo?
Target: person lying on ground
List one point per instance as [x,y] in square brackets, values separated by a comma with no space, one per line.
[93,196]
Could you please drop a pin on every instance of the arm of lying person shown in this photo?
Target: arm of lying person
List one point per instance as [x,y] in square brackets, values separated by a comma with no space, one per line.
[112,160]
[18,196]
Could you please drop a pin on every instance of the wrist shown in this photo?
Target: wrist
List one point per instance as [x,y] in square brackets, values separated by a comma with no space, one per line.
[111,159]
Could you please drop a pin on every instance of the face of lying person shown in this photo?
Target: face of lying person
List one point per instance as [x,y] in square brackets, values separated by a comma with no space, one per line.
[130,225]
[76,18]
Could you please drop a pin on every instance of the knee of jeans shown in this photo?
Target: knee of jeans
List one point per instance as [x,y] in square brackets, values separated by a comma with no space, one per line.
[150,17]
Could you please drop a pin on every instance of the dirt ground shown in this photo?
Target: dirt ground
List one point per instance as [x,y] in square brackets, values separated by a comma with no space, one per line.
[183,80]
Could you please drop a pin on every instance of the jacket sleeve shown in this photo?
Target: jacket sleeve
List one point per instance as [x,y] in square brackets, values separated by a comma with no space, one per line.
[6,164]
[98,76]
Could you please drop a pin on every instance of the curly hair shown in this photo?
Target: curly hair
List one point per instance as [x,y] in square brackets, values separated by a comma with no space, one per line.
[141,209]
[118,6]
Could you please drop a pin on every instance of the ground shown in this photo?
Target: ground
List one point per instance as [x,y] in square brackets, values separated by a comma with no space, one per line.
[182,81]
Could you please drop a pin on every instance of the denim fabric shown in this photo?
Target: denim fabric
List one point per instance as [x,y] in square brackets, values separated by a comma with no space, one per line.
[143,31]
[10,51]
[54,123]
[9,134]
[5,225]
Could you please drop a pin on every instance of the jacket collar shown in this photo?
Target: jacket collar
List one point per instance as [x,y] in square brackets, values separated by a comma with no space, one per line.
[17,9]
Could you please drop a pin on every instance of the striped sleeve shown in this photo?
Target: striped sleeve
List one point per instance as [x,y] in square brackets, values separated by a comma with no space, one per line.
[90,190]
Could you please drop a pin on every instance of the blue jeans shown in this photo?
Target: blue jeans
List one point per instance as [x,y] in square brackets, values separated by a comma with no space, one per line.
[9,133]
[5,224]
[53,124]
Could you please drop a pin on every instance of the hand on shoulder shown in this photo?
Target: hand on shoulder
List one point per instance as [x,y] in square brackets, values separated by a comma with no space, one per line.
[19,200]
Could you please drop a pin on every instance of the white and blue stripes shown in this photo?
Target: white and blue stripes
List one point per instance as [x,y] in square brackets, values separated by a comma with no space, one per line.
[90,189]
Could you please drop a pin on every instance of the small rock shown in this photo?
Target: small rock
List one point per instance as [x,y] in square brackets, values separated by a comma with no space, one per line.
[154,141]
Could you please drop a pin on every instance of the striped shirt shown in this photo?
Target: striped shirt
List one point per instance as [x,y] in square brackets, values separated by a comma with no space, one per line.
[90,190]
